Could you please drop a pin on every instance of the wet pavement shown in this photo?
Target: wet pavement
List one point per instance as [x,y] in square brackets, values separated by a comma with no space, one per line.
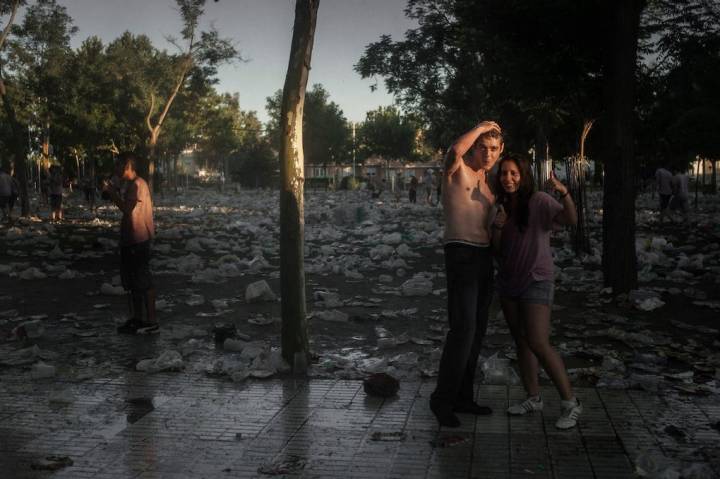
[171,425]
[74,403]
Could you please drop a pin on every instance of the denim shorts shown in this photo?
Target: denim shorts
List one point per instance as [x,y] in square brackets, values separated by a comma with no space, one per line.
[538,292]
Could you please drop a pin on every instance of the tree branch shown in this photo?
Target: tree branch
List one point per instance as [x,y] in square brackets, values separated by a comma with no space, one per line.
[187,64]
[150,112]
[6,30]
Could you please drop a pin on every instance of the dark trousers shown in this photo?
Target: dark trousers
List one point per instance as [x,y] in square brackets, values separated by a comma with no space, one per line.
[469,272]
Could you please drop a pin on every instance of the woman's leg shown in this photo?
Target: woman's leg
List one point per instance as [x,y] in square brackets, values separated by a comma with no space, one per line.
[536,319]
[526,359]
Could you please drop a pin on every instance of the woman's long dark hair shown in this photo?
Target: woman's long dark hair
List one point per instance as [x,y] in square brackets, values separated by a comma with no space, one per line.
[525,191]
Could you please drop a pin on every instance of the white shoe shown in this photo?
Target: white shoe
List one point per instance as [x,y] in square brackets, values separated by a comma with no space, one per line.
[571,411]
[527,406]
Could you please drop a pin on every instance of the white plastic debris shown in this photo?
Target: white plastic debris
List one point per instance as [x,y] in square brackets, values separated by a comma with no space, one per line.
[262,320]
[498,371]
[65,396]
[110,290]
[327,299]
[41,370]
[418,285]
[70,274]
[195,300]
[259,291]
[332,315]
[234,345]
[650,304]
[219,304]
[56,253]
[169,360]
[29,329]
[253,349]
[32,273]
[392,239]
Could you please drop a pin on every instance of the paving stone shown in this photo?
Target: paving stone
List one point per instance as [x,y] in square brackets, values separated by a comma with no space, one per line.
[212,428]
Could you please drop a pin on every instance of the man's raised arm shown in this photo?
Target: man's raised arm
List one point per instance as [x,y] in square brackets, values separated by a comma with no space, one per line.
[463,144]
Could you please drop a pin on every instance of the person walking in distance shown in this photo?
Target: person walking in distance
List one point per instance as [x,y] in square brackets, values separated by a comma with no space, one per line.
[467,201]
[137,230]
[521,239]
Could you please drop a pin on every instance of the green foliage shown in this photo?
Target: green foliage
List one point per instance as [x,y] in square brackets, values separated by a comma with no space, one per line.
[97,99]
[326,133]
[679,104]
[386,133]
[38,51]
[537,67]
[530,65]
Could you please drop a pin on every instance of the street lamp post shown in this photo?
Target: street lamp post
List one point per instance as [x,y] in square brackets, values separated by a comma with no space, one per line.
[353,147]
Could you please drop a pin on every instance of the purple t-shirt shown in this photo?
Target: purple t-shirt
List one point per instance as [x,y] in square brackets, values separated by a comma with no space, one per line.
[526,257]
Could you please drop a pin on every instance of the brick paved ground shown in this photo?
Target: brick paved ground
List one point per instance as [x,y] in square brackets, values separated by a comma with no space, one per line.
[174,426]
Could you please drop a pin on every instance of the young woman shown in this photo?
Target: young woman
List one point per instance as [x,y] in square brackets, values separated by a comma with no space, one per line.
[521,239]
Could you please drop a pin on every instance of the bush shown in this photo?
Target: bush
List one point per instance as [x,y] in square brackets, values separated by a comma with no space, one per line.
[349,183]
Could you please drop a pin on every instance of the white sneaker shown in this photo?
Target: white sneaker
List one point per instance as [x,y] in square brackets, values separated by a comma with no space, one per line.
[571,411]
[527,406]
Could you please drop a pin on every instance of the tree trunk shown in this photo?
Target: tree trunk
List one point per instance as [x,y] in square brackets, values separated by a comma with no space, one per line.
[619,261]
[713,182]
[18,148]
[697,180]
[598,173]
[149,168]
[576,180]
[295,346]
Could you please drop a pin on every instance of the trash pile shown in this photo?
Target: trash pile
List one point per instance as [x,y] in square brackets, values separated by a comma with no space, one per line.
[375,293]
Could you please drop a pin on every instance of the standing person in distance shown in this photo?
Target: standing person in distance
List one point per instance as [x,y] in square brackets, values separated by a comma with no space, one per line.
[663,181]
[412,190]
[680,192]
[137,230]
[6,187]
[525,281]
[428,185]
[55,190]
[467,201]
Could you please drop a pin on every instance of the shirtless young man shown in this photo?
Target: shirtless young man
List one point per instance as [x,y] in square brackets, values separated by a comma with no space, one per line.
[467,202]
[137,230]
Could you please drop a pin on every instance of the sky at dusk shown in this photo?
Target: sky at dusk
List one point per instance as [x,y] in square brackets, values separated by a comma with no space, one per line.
[262,30]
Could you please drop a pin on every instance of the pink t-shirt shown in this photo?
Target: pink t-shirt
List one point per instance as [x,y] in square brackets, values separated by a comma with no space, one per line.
[137,224]
[526,257]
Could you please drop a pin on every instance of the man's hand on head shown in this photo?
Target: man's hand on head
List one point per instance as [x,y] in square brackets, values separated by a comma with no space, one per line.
[489,125]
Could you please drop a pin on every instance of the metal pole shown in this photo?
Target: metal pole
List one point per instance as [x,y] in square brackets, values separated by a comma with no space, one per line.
[353,146]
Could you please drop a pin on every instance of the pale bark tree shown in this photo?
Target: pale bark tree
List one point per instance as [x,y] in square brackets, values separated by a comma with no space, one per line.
[295,345]
[203,51]
[576,168]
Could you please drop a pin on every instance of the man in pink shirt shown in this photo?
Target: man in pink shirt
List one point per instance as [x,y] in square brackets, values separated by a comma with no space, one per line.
[137,230]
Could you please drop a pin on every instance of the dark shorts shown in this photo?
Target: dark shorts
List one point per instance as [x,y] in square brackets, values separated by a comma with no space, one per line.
[4,201]
[538,292]
[135,267]
[56,202]
[664,201]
